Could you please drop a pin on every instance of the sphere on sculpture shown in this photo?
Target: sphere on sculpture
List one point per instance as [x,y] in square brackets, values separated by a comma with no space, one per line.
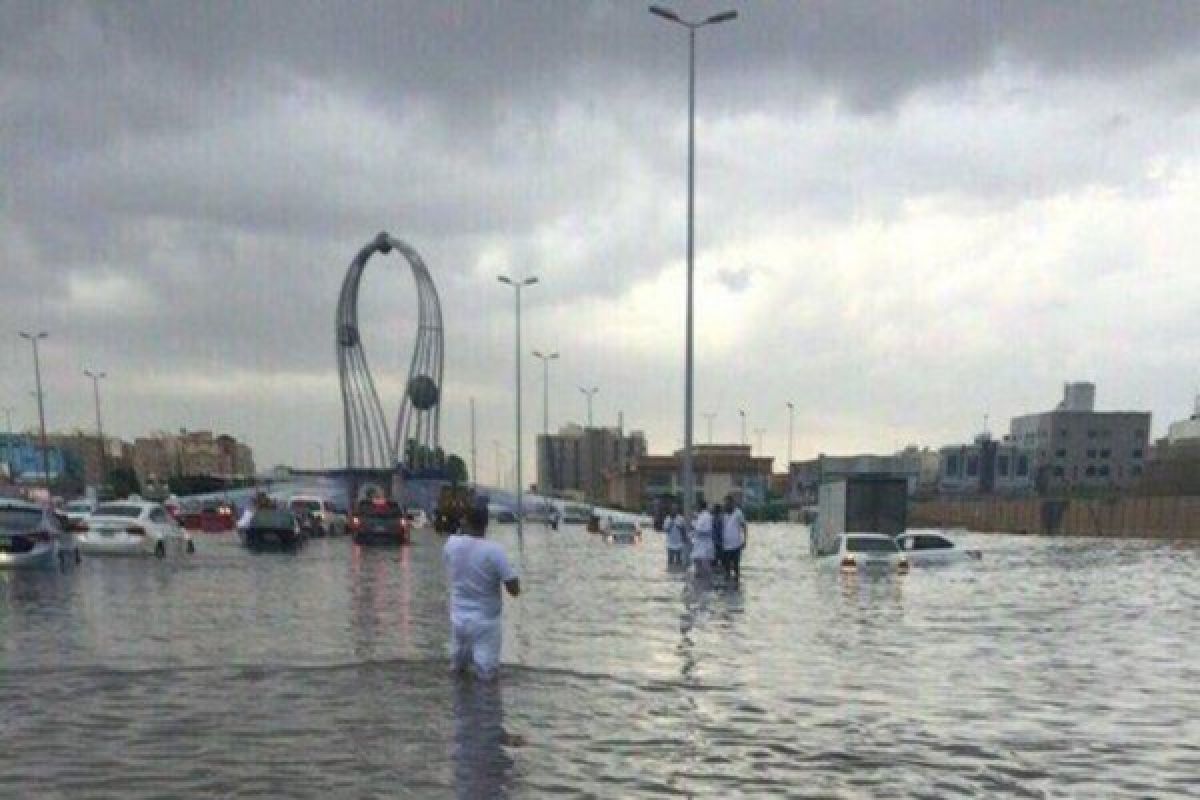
[423,392]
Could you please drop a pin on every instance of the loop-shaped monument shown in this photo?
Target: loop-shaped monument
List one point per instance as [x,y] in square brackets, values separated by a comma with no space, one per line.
[370,442]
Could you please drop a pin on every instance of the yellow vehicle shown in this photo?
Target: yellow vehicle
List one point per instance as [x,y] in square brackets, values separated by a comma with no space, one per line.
[453,502]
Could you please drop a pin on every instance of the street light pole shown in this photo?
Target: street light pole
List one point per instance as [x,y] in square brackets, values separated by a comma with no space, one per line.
[546,359]
[96,378]
[742,414]
[791,418]
[33,339]
[589,393]
[689,475]
[710,416]
[517,286]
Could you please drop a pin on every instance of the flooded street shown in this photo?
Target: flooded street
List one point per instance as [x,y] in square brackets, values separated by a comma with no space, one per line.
[1053,668]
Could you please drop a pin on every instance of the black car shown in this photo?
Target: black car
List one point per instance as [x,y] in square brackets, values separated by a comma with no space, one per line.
[271,527]
[380,523]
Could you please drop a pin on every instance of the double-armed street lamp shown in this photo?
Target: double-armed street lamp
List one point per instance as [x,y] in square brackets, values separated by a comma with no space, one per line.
[517,287]
[689,475]
[96,378]
[33,339]
[589,394]
[546,359]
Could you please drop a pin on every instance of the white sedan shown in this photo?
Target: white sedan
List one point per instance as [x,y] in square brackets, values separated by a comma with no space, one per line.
[133,528]
[926,547]
[869,551]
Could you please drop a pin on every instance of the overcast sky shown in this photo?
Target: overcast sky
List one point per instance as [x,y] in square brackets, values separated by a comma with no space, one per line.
[909,215]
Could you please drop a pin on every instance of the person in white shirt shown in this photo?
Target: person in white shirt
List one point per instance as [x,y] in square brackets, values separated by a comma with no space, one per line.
[733,536]
[674,528]
[702,542]
[477,571]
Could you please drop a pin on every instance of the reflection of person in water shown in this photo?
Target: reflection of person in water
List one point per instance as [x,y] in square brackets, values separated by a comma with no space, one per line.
[482,767]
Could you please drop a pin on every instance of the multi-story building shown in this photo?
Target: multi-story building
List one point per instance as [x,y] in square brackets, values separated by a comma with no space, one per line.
[916,465]
[985,466]
[94,463]
[191,453]
[576,459]
[1075,446]
[720,470]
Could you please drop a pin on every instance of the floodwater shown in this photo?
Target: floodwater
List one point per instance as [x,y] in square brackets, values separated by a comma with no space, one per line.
[1053,668]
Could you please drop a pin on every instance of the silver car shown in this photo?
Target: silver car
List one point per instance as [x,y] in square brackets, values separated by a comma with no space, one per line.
[33,537]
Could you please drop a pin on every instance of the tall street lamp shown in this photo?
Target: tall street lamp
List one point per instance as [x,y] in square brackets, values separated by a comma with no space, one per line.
[689,475]
[96,378]
[589,394]
[546,359]
[517,287]
[791,419]
[33,339]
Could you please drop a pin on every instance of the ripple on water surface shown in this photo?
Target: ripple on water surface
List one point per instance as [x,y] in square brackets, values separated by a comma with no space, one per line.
[1053,668]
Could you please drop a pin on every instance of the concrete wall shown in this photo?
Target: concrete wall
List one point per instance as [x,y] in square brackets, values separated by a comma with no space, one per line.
[1133,516]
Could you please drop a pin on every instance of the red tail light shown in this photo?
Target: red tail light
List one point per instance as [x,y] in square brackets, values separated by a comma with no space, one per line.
[136,530]
[848,562]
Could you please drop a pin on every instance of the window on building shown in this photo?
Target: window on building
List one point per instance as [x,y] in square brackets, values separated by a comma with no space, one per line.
[1105,453]
[1090,472]
[952,465]
[1058,472]
[1091,434]
[1091,453]
[1105,434]
[1102,471]
[1139,434]
[972,466]
[1062,433]
[1002,465]
[1137,453]
[1060,453]
[1074,473]
[1022,466]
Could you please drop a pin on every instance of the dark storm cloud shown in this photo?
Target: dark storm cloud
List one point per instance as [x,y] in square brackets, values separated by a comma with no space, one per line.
[182,184]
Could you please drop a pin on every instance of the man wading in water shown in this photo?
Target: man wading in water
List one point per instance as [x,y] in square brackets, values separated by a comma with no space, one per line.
[476,570]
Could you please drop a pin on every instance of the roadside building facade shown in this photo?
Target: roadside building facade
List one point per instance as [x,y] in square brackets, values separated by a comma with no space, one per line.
[1075,446]
[575,461]
[190,453]
[986,466]
[918,466]
[720,470]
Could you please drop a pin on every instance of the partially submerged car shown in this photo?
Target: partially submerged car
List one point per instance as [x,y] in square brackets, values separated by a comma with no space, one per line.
[382,523]
[927,548]
[622,531]
[869,551]
[133,528]
[321,510]
[272,527]
[33,537]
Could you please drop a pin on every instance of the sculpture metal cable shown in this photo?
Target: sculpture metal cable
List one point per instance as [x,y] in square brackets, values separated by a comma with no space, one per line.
[370,442]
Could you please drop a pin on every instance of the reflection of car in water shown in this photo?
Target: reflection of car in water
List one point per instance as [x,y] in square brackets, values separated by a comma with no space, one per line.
[31,536]
[381,523]
[134,529]
[270,526]
[924,548]
[622,531]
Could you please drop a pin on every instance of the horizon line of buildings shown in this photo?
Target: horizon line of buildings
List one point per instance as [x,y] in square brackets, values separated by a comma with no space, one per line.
[1072,447]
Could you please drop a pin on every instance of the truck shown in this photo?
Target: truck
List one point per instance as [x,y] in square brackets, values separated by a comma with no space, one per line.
[863,503]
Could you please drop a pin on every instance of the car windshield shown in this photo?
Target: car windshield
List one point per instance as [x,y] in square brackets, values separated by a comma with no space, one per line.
[869,544]
[622,527]
[307,505]
[117,510]
[19,520]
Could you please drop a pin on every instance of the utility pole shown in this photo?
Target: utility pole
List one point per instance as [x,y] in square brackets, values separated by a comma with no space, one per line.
[474,473]
[96,378]
[33,339]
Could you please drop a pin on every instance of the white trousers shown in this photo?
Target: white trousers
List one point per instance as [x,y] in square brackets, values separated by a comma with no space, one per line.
[476,643]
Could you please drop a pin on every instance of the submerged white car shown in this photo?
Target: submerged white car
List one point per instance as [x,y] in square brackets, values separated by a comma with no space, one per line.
[869,551]
[32,536]
[924,547]
[134,528]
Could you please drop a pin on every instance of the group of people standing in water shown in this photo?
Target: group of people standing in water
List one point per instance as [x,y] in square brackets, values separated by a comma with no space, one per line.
[713,540]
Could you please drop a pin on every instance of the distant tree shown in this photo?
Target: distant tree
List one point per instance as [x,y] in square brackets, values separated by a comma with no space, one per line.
[456,469]
[124,481]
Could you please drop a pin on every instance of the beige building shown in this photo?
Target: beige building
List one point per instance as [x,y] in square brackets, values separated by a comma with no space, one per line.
[85,448]
[576,459]
[161,455]
[720,470]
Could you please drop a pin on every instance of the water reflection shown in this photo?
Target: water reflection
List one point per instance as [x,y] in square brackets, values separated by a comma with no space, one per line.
[482,767]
